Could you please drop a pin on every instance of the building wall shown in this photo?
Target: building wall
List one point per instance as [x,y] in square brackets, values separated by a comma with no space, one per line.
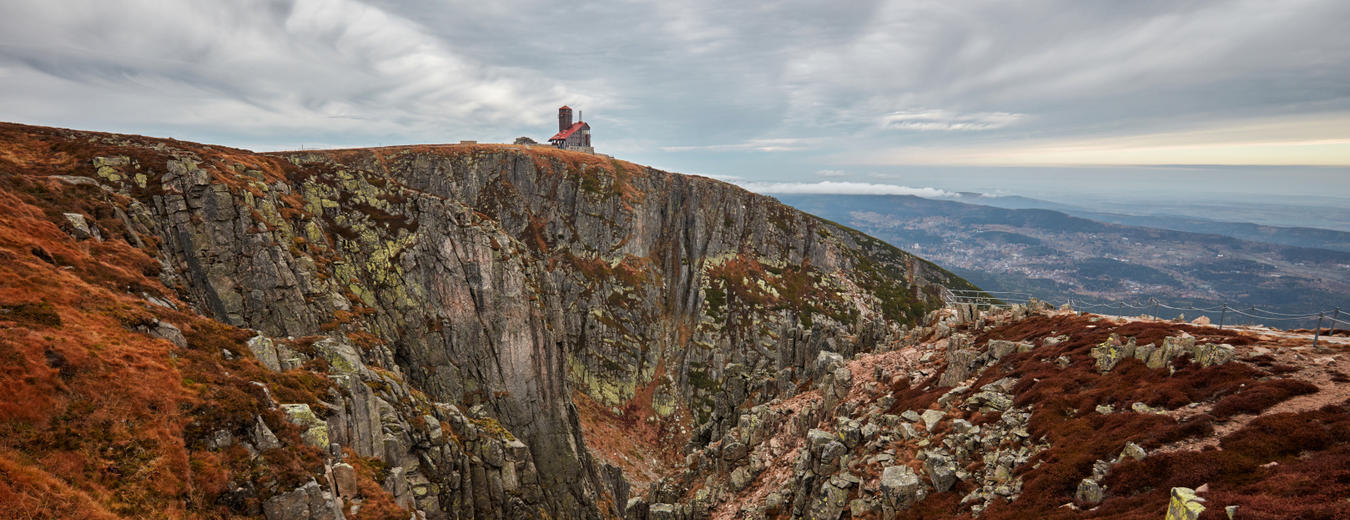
[580,139]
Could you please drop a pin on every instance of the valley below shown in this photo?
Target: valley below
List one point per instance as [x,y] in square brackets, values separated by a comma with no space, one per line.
[1058,257]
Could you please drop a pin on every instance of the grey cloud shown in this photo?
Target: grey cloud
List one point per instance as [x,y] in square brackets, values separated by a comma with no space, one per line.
[308,66]
[695,85]
[780,144]
[925,120]
[1077,64]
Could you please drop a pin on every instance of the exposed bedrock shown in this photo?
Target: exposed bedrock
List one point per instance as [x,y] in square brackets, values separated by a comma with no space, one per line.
[504,278]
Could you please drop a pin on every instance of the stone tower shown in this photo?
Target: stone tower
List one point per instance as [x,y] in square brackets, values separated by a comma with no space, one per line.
[564,118]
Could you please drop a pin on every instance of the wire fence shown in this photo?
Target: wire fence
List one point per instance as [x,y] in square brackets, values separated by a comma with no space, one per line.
[1226,314]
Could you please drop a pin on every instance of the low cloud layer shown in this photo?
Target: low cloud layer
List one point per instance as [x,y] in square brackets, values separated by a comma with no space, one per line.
[781,144]
[942,120]
[843,188]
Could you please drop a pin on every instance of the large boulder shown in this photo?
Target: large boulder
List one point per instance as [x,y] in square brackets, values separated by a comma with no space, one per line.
[1184,505]
[262,436]
[960,366]
[1172,347]
[999,348]
[265,350]
[827,362]
[829,503]
[825,452]
[313,430]
[1110,352]
[661,512]
[344,479]
[340,354]
[1089,492]
[941,471]
[740,478]
[900,487]
[77,226]
[930,418]
[307,502]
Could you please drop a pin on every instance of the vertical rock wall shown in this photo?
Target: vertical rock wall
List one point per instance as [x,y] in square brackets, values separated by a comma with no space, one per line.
[501,278]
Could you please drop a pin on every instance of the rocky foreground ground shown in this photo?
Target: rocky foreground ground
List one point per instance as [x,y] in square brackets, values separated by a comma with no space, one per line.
[1039,413]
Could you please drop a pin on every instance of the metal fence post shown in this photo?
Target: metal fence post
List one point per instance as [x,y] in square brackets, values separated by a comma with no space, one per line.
[1222,314]
[1318,331]
[1155,309]
[1335,314]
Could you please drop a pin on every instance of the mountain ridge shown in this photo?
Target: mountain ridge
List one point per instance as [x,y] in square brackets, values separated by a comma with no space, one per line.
[491,278]
[1300,236]
[487,331]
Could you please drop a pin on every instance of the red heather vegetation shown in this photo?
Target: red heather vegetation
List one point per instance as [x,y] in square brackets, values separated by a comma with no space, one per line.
[1311,474]
[1260,396]
[99,420]
[1283,465]
[1289,465]
[633,437]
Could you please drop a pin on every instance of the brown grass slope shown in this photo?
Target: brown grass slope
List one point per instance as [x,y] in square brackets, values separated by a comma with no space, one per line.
[98,420]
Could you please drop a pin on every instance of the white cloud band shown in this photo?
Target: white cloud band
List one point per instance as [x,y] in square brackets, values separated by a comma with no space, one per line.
[946,121]
[843,188]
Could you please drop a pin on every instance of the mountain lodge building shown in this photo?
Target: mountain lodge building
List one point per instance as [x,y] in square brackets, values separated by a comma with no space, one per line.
[572,136]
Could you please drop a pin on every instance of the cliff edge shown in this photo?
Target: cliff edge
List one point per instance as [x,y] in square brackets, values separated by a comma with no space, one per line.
[439,311]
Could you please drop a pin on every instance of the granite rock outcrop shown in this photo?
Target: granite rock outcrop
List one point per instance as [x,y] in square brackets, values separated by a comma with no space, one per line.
[498,280]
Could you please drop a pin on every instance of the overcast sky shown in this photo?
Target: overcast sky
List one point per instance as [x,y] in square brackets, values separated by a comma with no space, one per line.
[856,94]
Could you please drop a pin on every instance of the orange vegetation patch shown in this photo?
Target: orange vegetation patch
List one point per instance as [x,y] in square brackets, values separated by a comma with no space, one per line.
[100,419]
[631,270]
[26,491]
[739,277]
[638,441]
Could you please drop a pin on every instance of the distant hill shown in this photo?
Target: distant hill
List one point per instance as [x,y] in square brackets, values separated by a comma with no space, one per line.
[1291,236]
[1058,256]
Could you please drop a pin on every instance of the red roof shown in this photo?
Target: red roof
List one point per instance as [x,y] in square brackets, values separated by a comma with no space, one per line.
[564,107]
[570,130]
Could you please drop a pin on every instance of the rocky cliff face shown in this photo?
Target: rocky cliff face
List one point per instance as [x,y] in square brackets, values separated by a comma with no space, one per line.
[457,299]
[518,332]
